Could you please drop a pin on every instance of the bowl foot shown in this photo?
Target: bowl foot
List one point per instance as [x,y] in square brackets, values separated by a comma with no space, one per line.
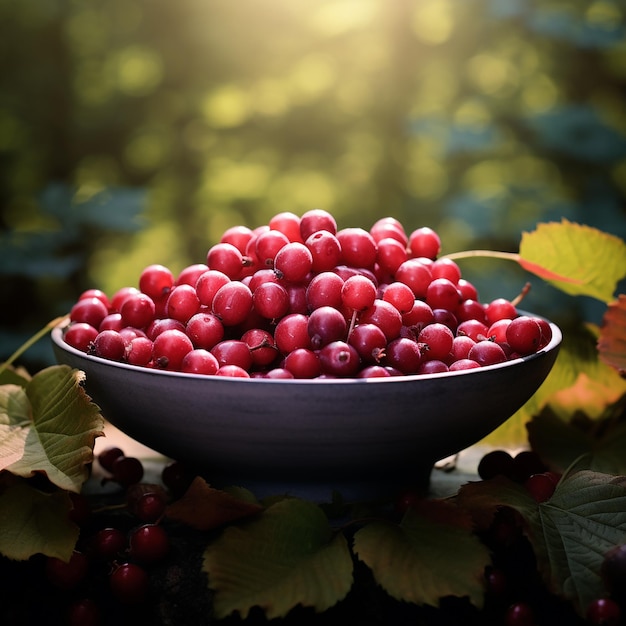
[384,489]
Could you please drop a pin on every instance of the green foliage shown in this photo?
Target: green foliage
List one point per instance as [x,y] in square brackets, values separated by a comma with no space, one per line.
[286,557]
[431,554]
[570,532]
[24,512]
[478,118]
[48,426]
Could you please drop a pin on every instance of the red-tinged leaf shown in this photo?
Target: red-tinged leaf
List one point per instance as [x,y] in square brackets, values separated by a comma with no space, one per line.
[285,557]
[577,259]
[612,340]
[204,508]
[482,499]
[431,554]
[32,522]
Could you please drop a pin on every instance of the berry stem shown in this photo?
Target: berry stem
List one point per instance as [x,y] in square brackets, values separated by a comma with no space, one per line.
[523,293]
[510,256]
[352,322]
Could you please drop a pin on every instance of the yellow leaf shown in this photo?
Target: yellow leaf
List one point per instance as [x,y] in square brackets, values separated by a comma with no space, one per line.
[577,259]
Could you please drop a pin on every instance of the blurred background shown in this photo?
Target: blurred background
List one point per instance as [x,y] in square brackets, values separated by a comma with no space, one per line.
[136,131]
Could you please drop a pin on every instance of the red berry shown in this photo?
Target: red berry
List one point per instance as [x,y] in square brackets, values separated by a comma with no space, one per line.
[129,583]
[149,544]
[604,612]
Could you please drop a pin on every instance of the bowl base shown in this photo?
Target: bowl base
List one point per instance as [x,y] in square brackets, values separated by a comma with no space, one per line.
[332,491]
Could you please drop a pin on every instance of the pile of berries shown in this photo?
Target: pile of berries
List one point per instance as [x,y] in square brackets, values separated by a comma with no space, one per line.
[298,298]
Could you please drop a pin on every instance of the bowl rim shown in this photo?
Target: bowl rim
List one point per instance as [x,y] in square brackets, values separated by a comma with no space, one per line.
[57,338]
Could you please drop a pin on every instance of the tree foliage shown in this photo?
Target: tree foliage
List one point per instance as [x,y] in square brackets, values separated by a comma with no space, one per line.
[479,118]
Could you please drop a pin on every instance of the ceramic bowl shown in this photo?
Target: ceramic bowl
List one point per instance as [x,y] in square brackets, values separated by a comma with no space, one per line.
[360,437]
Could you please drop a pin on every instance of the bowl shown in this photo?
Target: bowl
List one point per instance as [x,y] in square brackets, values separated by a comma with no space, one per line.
[363,438]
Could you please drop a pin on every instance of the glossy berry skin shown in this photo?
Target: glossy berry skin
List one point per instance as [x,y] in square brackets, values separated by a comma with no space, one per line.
[169,349]
[291,333]
[129,583]
[339,358]
[404,355]
[293,262]
[108,543]
[315,220]
[370,342]
[540,486]
[424,242]
[302,363]
[108,456]
[523,334]
[182,303]
[519,614]
[358,293]
[226,258]
[127,470]
[325,251]
[238,236]
[109,344]
[156,281]
[149,544]
[80,335]
[487,353]
[604,612]
[232,303]
[287,223]
[89,311]
[326,325]
[437,340]
[67,575]
[358,247]
[199,361]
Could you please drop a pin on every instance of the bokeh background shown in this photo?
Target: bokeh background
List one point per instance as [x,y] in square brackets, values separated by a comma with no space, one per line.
[136,131]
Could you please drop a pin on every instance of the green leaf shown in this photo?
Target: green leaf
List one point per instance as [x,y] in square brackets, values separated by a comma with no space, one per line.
[287,556]
[573,530]
[32,522]
[601,447]
[570,532]
[10,376]
[431,554]
[579,260]
[64,425]
[15,420]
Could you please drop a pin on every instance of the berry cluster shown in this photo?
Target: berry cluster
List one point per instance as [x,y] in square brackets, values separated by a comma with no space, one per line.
[298,298]
[120,546]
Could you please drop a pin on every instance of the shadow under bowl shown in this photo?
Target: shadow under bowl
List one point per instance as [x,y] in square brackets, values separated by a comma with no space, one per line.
[364,438]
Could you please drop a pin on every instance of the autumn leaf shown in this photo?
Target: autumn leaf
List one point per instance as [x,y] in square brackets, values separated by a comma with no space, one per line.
[285,557]
[612,340]
[432,553]
[579,381]
[577,259]
[204,508]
